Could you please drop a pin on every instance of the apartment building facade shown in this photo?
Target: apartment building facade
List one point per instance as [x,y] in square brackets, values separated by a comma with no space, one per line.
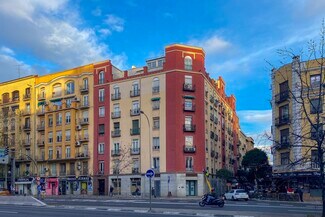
[292,134]
[64,120]
[168,115]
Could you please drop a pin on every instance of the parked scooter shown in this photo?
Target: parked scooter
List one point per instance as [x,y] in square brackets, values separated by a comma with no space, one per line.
[216,201]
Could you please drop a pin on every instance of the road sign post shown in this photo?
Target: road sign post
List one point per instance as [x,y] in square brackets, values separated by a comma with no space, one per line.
[149,174]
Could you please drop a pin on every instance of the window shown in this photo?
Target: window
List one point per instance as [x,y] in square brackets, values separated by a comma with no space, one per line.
[5,97]
[188,63]
[101,111]
[315,80]
[155,85]
[135,145]
[189,163]
[188,80]
[85,101]
[50,137]
[58,119]
[67,118]
[70,87]
[42,93]
[314,129]
[284,112]
[116,92]
[101,95]
[284,87]
[53,168]
[188,140]
[285,158]
[156,123]
[67,152]
[59,136]
[101,148]
[50,120]
[314,159]
[316,106]
[15,96]
[101,167]
[57,90]
[85,117]
[188,104]
[156,163]
[27,92]
[160,63]
[284,134]
[58,153]
[27,107]
[68,102]
[135,89]
[155,105]
[156,143]
[50,153]
[101,78]
[188,120]
[85,84]
[101,129]
[67,135]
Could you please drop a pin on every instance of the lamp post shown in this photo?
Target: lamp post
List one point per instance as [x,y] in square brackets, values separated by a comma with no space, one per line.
[142,112]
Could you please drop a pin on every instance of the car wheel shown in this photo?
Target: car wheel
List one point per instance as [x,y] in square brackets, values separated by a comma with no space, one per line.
[232,198]
[246,199]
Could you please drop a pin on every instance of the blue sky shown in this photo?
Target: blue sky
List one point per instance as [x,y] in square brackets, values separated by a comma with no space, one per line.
[239,36]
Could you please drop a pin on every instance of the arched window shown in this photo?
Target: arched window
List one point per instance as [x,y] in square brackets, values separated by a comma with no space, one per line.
[15,96]
[188,63]
[69,87]
[5,97]
[101,77]
[57,90]
[155,85]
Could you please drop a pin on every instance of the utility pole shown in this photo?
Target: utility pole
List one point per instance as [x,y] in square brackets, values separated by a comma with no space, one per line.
[18,69]
[13,166]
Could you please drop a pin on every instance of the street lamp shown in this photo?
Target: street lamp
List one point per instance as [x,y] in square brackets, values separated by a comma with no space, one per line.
[142,112]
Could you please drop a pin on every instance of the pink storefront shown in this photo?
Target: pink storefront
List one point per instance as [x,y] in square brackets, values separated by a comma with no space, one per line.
[52,186]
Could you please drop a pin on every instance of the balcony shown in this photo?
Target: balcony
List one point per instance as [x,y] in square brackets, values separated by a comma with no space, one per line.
[134,93]
[40,143]
[156,170]
[188,87]
[41,158]
[26,96]
[56,94]
[116,114]
[115,152]
[116,133]
[189,108]
[282,121]
[134,131]
[134,151]
[13,128]
[155,89]
[84,121]
[23,159]
[40,112]
[26,127]
[41,127]
[135,170]
[41,96]
[135,111]
[84,89]
[189,169]
[189,128]
[84,105]
[84,138]
[82,155]
[116,96]
[26,143]
[284,143]
[189,149]
[282,96]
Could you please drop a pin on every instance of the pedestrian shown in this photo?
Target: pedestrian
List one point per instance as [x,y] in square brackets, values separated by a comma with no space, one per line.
[111,189]
[301,194]
[39,189]
[153,193]
[137,191]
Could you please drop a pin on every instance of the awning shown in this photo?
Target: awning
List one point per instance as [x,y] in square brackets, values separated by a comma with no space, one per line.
[189,97]
[155,99]
[41,103]
[56,100]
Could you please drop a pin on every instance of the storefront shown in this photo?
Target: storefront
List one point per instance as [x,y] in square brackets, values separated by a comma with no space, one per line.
[52,186]
[25,186]
[72,185]
[85,185]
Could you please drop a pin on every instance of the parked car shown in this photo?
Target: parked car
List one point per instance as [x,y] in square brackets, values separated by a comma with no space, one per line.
[236,194]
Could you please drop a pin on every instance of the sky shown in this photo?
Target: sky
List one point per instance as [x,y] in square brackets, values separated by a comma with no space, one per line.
[240,37]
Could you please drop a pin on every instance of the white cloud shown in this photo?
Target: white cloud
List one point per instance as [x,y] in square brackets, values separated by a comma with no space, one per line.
[104,32]
[212,45]
[7,51]
[256,116]
[96,12]
[115,23]
[45,31]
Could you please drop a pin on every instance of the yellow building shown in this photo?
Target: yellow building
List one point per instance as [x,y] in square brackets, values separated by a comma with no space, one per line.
[64,120]
[245,144]
[16,128]
[294,97]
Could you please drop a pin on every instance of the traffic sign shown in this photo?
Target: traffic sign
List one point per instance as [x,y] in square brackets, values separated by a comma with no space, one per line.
[150,173]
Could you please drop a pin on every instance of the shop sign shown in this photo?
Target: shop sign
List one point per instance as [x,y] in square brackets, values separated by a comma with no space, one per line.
[83,178]
[71,179]
[30,179]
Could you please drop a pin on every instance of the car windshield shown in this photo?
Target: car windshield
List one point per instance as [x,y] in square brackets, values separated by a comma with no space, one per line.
[241,191]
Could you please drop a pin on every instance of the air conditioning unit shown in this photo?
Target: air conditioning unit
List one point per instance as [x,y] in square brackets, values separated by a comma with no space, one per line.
[76,99]
[78,127]
[78,143]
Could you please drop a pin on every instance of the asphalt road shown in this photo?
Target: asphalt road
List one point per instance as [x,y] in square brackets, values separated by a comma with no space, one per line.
[32,211]
[231,207]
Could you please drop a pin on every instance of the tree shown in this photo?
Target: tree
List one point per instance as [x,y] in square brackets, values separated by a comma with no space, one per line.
[256,162]
[224,174]
[306,94]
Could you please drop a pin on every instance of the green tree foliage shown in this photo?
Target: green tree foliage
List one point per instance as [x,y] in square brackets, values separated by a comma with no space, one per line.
[255,158]
[224,174]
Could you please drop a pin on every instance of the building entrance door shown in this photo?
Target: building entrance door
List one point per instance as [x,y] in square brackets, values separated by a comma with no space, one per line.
[191,187]
[101,186]
[157,188]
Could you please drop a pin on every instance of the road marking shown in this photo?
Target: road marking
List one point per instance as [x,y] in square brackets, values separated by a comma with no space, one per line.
[243,216]
[171,213]
[140,211]
[114,210]
[312,211]
[9,212]
[204,214]
[44,204]
[91,208]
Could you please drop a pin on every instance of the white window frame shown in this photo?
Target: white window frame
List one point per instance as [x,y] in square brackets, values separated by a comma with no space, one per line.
[101,111]
[101,95]
[156,143]
[101,148]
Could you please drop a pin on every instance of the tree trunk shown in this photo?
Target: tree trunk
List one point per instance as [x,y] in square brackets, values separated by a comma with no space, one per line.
[321,167]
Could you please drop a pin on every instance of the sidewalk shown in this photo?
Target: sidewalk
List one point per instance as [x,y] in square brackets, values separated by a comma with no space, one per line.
[21,200]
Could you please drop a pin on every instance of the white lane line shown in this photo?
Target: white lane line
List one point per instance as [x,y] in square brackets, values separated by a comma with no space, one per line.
[9,212]
[44,204]
[91,208]
[312,211]
[204,214]
[140,211]
[114,210]
[170,213]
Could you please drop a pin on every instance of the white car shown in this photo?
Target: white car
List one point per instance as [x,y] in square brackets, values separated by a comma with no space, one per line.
[236,194]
